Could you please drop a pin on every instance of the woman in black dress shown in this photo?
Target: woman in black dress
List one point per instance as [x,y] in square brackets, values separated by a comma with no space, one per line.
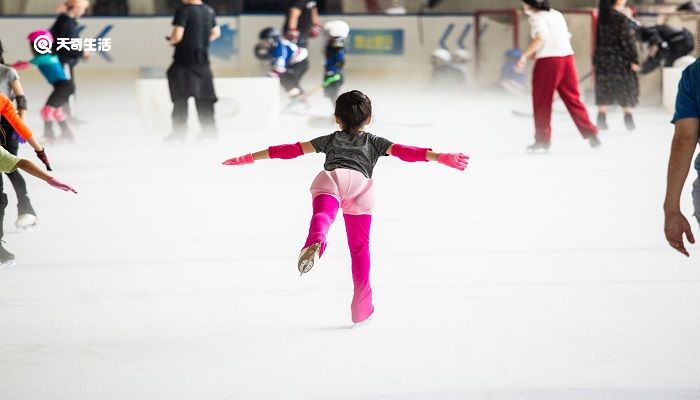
[616,62]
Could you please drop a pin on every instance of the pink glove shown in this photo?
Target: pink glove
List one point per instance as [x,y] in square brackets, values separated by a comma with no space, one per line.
[315,31]
[292,35]
[242,160]
[60,185]
[454,160]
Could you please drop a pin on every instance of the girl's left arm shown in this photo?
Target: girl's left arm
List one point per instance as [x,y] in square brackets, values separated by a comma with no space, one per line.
[8,111]
[412,154]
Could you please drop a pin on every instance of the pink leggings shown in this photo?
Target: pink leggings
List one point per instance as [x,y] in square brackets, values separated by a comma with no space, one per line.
[353,192]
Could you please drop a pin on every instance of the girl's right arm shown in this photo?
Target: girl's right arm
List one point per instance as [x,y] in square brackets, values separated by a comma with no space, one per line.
[284,151]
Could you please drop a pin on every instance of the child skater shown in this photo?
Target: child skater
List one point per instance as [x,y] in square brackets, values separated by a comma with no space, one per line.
[346,183]
[11,87]
[336,31]
[288,61]
[63,88]
[10,163]
[554,72]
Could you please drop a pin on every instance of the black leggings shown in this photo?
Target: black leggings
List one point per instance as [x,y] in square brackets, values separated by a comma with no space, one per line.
[291,78]
[11,144]
[62,90]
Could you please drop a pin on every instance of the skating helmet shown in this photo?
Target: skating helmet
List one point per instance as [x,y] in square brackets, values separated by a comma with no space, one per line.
[442,54]
[337,29]
[269,33]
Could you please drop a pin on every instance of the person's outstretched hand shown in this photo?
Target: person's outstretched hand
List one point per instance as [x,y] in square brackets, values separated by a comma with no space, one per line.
[60,185]
[674,227]
[454,160]
[242,160]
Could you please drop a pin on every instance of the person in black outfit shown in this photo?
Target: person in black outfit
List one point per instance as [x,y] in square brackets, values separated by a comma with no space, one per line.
[302,22]
[616,61]
[666,45]
[194,26]
[66,26]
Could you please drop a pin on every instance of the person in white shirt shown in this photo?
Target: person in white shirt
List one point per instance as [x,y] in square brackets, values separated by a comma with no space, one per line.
[554,71]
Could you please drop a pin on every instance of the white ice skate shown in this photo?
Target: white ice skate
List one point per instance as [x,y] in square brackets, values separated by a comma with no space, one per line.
[361,324]
[308,257]
[537,146]
[27,222]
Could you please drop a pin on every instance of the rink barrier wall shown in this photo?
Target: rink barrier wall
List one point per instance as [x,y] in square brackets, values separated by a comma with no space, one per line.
[138,43]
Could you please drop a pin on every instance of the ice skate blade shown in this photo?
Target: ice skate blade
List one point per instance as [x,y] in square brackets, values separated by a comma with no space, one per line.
[308,257]
[358,325]
[8,264]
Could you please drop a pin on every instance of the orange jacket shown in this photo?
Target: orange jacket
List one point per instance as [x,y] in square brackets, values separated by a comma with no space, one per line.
[8,110]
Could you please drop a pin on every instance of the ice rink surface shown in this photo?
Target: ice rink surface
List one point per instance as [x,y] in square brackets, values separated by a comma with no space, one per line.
[526,277]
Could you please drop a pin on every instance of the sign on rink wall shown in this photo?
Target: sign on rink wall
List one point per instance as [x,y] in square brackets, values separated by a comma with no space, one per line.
[377,42]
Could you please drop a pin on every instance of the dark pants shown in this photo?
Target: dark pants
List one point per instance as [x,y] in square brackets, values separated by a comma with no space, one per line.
[185,81]
[11,144]
[62,90]
[557,74]
[70,74]
[291,78]
[205,111]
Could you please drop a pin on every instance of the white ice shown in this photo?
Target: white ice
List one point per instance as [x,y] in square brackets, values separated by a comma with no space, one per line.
[526,277]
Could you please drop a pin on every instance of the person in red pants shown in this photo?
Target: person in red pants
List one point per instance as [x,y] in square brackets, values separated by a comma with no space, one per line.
[554,72]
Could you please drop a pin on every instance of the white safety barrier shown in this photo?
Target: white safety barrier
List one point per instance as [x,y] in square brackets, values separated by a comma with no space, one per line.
[670,79]
[246,104]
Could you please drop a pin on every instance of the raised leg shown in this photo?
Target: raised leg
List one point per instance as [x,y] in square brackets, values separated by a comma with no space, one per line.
[325,208]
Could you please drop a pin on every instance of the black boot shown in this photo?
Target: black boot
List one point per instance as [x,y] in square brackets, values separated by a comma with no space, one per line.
[6,258]
[602,122]
[629,122]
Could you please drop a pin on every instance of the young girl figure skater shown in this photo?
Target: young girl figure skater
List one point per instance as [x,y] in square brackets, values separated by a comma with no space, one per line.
[10,163]
[346,182]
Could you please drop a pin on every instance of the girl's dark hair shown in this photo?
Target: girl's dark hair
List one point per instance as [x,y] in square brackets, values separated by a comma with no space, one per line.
[542,5]
[2,60]
[605,11]
[353,109]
